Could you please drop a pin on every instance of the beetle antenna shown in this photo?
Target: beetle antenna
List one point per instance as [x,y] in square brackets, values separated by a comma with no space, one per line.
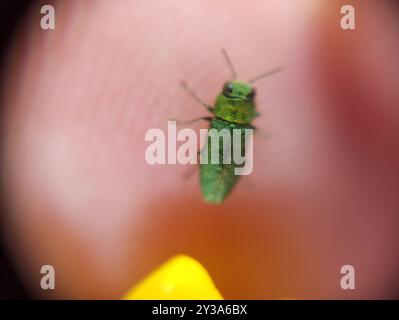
[229,63]
[266,74]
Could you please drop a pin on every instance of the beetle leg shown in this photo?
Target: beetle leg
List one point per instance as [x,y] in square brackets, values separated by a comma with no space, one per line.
[193,121]
[194,95]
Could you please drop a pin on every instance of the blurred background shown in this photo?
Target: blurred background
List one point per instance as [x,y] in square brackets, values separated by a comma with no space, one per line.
[77,193]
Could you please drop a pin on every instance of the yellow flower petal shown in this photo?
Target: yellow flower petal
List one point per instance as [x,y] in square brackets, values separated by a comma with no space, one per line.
[181,277]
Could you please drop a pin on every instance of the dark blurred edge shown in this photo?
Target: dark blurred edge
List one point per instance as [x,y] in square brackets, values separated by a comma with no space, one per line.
[12,13]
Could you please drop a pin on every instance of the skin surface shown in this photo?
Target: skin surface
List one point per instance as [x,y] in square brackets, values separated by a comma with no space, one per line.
[79,99]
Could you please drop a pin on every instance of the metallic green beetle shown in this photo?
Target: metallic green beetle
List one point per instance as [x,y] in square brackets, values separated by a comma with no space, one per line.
[234,109]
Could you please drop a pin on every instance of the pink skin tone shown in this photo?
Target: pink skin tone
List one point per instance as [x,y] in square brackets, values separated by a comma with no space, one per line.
[323,193]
